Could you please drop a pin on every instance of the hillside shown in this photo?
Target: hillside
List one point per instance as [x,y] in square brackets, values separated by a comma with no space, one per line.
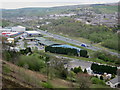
[14,76]
[102,8]
[105,8]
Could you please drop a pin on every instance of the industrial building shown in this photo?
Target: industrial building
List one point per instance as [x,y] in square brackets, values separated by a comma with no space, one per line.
[33,33]
[45,42]
[8,34]
[18,29]
[12,34]
[66,46]
[13,29]
[5,30]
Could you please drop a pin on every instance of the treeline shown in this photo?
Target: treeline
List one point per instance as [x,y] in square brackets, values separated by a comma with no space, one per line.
[101,69]
[107,57]
[76,69]
[97,34]
[10,55]
[67,51]
[25,51]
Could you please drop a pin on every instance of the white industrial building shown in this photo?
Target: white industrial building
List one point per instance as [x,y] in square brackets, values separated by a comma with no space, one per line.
[18,29]
[33,33]
[13,29]
[5,30]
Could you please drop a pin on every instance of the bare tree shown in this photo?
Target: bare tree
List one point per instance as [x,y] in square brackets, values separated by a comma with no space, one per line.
[83,80]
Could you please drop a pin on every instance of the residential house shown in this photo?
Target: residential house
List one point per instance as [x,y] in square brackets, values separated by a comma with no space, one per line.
[114,83]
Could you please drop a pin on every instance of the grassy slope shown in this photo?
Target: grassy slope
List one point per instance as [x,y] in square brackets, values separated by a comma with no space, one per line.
[31,78]
[16,76]
[106,9]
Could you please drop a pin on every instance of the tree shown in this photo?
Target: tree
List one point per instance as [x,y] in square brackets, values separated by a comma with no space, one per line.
[85,71]
[97,81]
[101,77]
[32,62]
[77,70]
[83,53]
[83,81]
[103,68]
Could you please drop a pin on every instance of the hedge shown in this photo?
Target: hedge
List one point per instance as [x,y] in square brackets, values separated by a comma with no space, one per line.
[103,69]
[67,51]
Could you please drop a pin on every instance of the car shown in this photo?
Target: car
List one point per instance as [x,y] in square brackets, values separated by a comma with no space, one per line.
[83,45]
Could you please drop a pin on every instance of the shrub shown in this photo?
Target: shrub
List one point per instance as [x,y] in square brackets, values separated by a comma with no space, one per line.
[67,51]
[32,62]
[6,69]
[85,71]
[61,50]
[77,70]
[101,77]
[47,85]
[25,51]
[107,57]
[83,53]
[97,81]
[64,74]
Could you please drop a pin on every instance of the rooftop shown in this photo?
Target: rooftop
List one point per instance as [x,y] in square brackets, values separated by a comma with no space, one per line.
[33,32]
[115,80]
[45,41]
[66,46]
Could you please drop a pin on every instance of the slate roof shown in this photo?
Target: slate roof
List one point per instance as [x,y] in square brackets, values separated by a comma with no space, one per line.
[115,80]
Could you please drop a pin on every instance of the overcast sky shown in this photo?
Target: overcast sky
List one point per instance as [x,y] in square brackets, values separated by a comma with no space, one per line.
[13,4]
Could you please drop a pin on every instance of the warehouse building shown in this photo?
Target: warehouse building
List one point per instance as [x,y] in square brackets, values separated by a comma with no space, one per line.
[33,33]
[18,29]
[66,46]
[12,34]
[13,29]
[5,30]
[44,42]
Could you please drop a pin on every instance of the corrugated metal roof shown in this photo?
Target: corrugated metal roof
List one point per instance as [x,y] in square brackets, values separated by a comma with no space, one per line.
[33,32]
[66,46]
[40,39]
[45,41]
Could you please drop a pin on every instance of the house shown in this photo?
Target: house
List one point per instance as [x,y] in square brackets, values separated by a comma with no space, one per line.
[114,83]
